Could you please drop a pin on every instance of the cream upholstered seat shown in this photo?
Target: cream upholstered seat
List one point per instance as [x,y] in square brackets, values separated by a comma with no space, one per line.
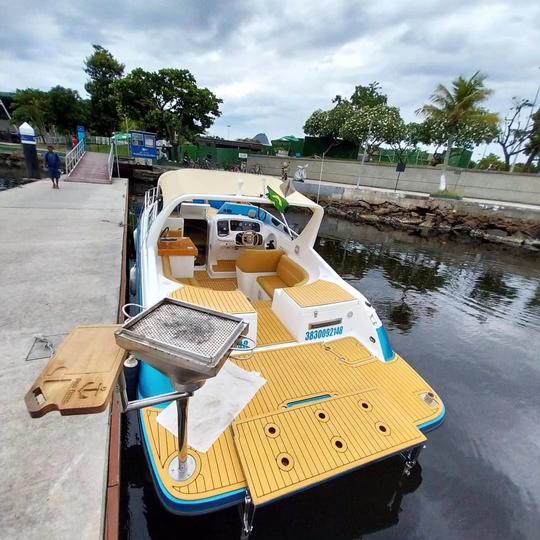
[287,273]
[256,261]
[270,284]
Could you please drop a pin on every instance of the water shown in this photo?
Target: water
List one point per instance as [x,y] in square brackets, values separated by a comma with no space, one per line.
[11,177]
[467,317]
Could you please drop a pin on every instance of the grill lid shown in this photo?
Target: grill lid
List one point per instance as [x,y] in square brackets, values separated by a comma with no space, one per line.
[184,341]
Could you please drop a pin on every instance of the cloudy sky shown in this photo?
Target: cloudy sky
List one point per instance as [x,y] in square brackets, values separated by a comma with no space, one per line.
[273,62]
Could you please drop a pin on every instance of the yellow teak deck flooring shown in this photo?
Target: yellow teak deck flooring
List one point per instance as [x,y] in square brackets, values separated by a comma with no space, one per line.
[292,449]
[318,293]
[270,330]
[343,369]
[218,470]
[225,301]
[200,278]
[225,266]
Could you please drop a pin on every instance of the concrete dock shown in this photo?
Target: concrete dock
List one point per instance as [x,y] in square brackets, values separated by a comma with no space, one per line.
[60,266]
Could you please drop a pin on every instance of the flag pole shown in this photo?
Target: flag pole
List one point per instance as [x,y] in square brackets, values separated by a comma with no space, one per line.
[288,228]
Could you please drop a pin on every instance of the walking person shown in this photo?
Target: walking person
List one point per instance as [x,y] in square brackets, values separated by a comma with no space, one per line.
[51,160]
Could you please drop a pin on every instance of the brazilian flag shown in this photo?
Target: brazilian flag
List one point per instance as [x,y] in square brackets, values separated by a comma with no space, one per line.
[280,203]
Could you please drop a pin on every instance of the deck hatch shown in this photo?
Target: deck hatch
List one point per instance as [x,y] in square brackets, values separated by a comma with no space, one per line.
[319,441]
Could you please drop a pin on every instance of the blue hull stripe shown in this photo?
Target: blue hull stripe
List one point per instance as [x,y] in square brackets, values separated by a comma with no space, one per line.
[388,352]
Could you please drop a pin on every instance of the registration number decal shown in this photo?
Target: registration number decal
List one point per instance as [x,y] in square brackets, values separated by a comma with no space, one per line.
[324,333]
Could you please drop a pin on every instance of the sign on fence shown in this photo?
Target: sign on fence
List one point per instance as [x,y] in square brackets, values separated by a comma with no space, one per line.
[143,144]
[81,133]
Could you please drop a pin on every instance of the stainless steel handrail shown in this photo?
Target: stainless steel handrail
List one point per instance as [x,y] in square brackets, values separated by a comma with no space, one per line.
[110,161]
[150,197]
[74,156]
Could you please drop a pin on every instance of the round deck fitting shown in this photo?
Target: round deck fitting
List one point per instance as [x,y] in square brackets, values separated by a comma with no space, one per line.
[181,474]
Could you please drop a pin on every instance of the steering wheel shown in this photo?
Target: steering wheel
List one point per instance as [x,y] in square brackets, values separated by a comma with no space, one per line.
[251,239]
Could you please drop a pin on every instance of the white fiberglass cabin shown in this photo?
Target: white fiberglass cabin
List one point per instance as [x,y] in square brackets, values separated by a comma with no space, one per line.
[336,395]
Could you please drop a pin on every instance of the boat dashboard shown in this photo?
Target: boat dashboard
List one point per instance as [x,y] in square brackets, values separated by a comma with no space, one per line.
[240,231]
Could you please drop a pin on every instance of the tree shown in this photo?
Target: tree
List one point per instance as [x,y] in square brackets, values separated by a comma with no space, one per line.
[431,132]
[32,106]
[406,140]
[512,133]
[169,102]
[532,148]
[60,108]
[104,70]
[460,115]
[317,125]
[373,126]
[67,109]
[329,123]
[491,162]
[365,119]
[368,96]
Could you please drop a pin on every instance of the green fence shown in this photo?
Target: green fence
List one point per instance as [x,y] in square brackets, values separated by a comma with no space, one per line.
[318,145]
[292,147]
[222,157]
[310,146]
[460,157]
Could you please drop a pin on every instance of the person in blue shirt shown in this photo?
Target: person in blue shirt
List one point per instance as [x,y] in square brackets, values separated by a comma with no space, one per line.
[51,160]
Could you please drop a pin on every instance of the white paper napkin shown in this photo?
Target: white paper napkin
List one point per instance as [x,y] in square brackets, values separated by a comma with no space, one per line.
[215,405]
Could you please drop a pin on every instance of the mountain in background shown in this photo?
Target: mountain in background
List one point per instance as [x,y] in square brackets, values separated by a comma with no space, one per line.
[262,138]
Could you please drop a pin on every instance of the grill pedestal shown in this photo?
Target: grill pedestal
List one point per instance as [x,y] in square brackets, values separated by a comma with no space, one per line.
[182,466]
[187,343]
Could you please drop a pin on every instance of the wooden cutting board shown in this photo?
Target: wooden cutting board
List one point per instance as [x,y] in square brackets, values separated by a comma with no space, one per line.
[81,376]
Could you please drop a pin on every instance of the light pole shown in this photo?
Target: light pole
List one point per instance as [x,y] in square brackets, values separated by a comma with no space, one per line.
[320,175]
[228,131]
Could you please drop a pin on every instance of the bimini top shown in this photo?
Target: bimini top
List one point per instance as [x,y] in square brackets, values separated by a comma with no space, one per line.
[175,184]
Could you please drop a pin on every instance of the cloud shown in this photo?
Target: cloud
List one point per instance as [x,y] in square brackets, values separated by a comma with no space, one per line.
[273,63]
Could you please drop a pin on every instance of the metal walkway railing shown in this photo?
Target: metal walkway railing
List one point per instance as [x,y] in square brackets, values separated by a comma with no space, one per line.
[110,160]
[74,156]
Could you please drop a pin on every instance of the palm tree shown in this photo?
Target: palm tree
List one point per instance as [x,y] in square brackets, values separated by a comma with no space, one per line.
[459,108]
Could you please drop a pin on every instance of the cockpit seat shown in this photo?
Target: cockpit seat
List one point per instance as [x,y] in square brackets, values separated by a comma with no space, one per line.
[285,271]
[258,261]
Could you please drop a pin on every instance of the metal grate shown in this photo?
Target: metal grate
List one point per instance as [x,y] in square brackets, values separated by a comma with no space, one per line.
[192,330]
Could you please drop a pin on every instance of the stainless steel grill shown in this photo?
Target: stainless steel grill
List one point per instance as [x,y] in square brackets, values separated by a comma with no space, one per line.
[187,329]
[186,342]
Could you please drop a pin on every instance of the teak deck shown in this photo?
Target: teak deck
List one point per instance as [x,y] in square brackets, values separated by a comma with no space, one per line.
[298,447]
[270,330]
[226,301]
[344,374]
[318,293]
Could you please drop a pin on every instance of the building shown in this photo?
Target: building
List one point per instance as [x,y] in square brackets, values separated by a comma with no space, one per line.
[8,132]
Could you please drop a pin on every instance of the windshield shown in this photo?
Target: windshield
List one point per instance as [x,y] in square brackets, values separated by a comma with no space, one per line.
[268,215]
